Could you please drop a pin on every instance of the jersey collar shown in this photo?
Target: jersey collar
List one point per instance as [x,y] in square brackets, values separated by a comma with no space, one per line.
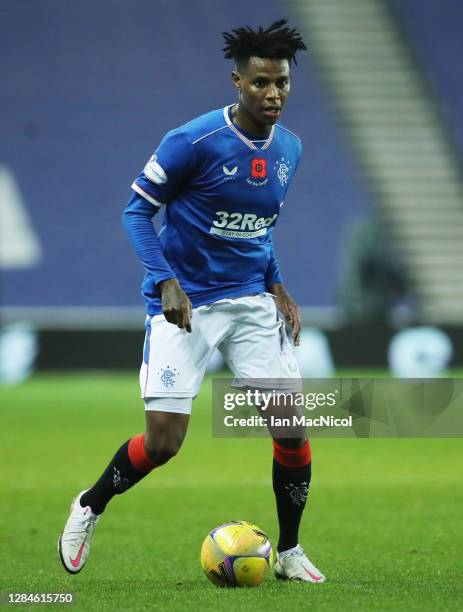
[246,141]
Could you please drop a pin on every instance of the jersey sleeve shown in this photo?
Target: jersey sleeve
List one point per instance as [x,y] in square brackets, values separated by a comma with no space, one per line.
[298,153]
[137,220]
[273,274]
[167,171]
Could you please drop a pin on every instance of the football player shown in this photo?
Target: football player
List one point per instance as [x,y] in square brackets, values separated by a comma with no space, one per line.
[212,280]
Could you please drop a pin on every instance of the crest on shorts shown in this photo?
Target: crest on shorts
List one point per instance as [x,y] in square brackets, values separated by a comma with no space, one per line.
[168,376]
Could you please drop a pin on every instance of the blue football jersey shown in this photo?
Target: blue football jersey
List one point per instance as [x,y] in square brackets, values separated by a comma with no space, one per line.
[222,190]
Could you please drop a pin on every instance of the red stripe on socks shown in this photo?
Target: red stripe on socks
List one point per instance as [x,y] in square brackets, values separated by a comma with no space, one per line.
[292,457]
[138,456]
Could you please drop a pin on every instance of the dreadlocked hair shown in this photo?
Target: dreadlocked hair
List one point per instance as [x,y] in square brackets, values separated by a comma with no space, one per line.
[275,42]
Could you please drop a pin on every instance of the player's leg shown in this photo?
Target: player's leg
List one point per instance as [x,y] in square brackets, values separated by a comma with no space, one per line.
[291,476]
[134,460]
[259,352]
[138,456]
[172,370]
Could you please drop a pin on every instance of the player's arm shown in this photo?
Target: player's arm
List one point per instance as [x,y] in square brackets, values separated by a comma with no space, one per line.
[284,302]
[161,180]
[137,220]
[274,281]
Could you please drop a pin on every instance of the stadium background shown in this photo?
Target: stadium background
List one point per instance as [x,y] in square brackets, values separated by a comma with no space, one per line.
[369,242]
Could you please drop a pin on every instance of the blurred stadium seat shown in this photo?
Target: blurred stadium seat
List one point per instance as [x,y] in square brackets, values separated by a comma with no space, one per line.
[437,41]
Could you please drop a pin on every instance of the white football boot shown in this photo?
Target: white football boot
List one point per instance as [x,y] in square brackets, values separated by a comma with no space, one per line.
[293,564]
[74,543]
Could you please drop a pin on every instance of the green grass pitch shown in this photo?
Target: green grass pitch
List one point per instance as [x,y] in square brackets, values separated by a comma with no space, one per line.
[384,518]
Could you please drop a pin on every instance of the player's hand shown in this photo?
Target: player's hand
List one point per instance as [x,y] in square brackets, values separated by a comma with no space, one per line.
[289,309]
[175,304]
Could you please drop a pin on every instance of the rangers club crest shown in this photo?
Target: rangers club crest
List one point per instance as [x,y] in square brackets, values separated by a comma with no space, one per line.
[168,376]
[298,494]
[282,169]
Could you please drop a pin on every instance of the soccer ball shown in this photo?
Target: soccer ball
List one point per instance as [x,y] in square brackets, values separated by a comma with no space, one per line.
[236,554]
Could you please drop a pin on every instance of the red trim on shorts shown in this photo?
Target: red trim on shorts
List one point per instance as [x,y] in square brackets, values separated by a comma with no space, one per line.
[138,456]
[292,457]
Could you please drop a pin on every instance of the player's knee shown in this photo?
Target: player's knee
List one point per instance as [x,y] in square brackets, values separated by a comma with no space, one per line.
[162,451]
[291,442]
[293,456]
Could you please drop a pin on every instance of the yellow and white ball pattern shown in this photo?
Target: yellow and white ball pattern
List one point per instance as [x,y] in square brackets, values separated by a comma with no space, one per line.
[236,554]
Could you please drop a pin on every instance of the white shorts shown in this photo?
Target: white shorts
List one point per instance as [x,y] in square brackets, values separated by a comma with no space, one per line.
[248,331]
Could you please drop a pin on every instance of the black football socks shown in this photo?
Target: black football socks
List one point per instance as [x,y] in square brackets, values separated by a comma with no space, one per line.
[128,466]
[291,486]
